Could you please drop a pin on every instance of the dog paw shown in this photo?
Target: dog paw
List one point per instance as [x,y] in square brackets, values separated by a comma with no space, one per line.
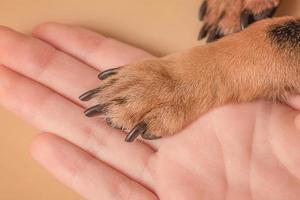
[220,18]
[255,10]
[224,17]
[159,97]
[143,99]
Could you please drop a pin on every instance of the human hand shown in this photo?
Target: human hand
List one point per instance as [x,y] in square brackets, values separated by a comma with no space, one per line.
[247,151]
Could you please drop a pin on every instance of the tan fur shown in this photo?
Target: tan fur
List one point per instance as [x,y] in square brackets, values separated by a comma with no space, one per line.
[257,6]
[225,14]
[170,92]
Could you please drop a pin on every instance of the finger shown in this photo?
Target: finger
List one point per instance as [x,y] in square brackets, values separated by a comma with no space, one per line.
[43,63]
[50,112]
[90,177]
[90,47]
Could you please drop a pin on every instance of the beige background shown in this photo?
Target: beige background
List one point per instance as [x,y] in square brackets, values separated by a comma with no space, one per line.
[159,26]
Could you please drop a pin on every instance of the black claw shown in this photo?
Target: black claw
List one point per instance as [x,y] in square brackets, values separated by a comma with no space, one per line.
[214,35]
[149,136]
[265,14]
[136,131]
[89,94]
[247,18]
[202,10]
[107,73]
[203,32]
[96,110]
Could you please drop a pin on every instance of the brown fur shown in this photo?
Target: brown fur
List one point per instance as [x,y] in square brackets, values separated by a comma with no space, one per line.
[170,92]
[258,6]
[225,15]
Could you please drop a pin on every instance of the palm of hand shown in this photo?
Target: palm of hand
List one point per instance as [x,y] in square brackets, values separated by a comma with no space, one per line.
[244,151]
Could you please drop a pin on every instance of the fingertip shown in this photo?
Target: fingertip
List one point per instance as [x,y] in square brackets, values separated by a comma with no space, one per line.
[59,30]
[58,155]
[44,27]
[88,46]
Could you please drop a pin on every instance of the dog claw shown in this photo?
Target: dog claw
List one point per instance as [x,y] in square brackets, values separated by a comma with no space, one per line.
[95,110]
[149,136]
[265,14]
[202,10]
[203,32]
[136,131]
[107,73]
[89,94]
[247,18]
[214,35]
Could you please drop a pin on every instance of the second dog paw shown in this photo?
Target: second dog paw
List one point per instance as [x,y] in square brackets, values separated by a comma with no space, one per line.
[224,17]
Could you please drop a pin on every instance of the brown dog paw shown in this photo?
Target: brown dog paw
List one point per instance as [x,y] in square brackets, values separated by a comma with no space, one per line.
[159,97]
[144,99]
[255,10]
[220,18]
[224,17]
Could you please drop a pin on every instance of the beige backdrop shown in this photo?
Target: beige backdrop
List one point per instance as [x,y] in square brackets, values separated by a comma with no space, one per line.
[160,26]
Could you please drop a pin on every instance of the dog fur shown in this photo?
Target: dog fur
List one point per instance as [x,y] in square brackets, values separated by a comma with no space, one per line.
[224,17]
[159,97]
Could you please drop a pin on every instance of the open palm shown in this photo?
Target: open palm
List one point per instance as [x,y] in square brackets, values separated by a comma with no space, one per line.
[247,151]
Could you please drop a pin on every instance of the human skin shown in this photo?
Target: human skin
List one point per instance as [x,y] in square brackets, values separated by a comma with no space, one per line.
[245,151]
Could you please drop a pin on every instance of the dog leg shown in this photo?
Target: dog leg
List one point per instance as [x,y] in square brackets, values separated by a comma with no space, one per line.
[159,97]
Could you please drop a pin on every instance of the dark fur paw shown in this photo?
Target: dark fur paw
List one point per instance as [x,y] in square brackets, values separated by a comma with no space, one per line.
[224,17]
[255,10]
